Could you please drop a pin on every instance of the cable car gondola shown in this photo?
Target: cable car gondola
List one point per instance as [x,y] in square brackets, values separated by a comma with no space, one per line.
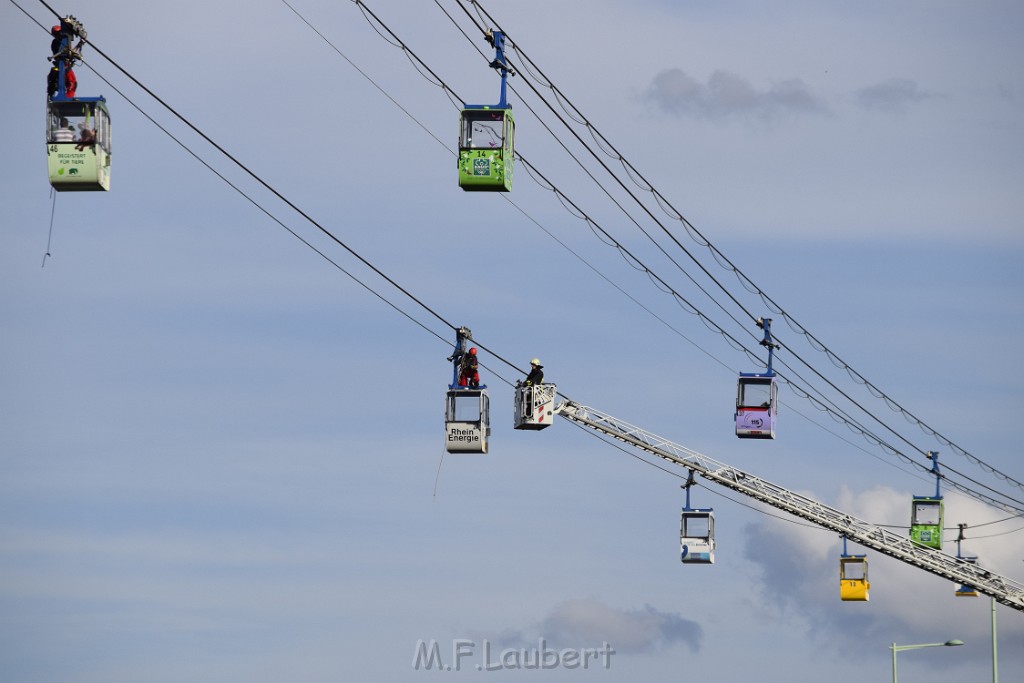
[696,532]
[467,406]
[926,514]
[853,577]
[487,135]
[78,130]
[757,395]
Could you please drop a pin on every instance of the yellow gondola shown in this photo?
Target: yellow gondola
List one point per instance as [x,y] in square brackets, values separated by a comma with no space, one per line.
[853,577]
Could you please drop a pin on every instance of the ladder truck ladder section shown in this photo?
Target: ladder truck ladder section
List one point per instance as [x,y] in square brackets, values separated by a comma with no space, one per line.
[1003,590]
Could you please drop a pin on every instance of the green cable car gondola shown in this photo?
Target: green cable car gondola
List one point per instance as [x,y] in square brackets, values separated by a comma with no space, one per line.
[487,135]
[81,163]
[78,131]
[926,513]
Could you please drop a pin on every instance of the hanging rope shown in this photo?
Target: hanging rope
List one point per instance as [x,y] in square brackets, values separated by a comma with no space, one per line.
[49,237]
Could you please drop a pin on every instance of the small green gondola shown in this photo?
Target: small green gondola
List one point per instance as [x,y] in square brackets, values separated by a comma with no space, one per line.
[78,131]
[926,515]
[487,135]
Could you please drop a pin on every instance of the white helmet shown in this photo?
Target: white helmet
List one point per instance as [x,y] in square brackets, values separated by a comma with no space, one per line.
[536,361]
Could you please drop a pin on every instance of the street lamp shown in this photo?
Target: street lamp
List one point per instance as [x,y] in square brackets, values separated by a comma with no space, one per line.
[900,648]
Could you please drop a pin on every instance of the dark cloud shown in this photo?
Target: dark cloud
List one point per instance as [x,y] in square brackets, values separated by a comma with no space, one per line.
[892,95]
[729,95]
[588,623]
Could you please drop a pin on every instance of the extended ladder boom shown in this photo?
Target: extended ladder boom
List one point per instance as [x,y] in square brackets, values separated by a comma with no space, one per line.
[1004,590]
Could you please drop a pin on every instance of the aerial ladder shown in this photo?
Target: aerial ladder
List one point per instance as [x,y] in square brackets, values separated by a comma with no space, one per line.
[956,569]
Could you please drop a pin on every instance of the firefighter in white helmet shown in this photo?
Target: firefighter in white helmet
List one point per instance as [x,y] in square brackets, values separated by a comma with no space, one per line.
[536,375]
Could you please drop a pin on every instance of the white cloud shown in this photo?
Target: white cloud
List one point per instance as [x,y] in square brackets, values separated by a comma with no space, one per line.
[799,573]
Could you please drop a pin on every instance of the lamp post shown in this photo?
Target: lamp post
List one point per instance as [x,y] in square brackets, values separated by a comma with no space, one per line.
[900,648]
[995,662]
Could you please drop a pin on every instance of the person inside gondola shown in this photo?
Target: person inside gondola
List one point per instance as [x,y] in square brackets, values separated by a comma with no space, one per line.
[88,138]
[65,133]
[469,374]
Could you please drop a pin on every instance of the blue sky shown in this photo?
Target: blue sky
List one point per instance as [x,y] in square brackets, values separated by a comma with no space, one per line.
[221,459]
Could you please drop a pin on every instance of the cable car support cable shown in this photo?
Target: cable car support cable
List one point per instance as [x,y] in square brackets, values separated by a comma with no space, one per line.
[726,476]
[400,43]
[720,330]
[271,189]
[722,259]
[262,182]
[1002,589]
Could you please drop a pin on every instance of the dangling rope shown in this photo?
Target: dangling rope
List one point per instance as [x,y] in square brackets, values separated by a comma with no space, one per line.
[49,237]
[437,477]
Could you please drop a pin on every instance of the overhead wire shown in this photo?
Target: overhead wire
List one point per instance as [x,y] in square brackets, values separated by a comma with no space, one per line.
[277,194]
[393,39]
[720,257]
[854,424]
[396,41]
[257,204]
[604,439]
[281,197]
[444,87]
[238,189]
[714,490]
[597,182]
[294,207]
[260,180]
